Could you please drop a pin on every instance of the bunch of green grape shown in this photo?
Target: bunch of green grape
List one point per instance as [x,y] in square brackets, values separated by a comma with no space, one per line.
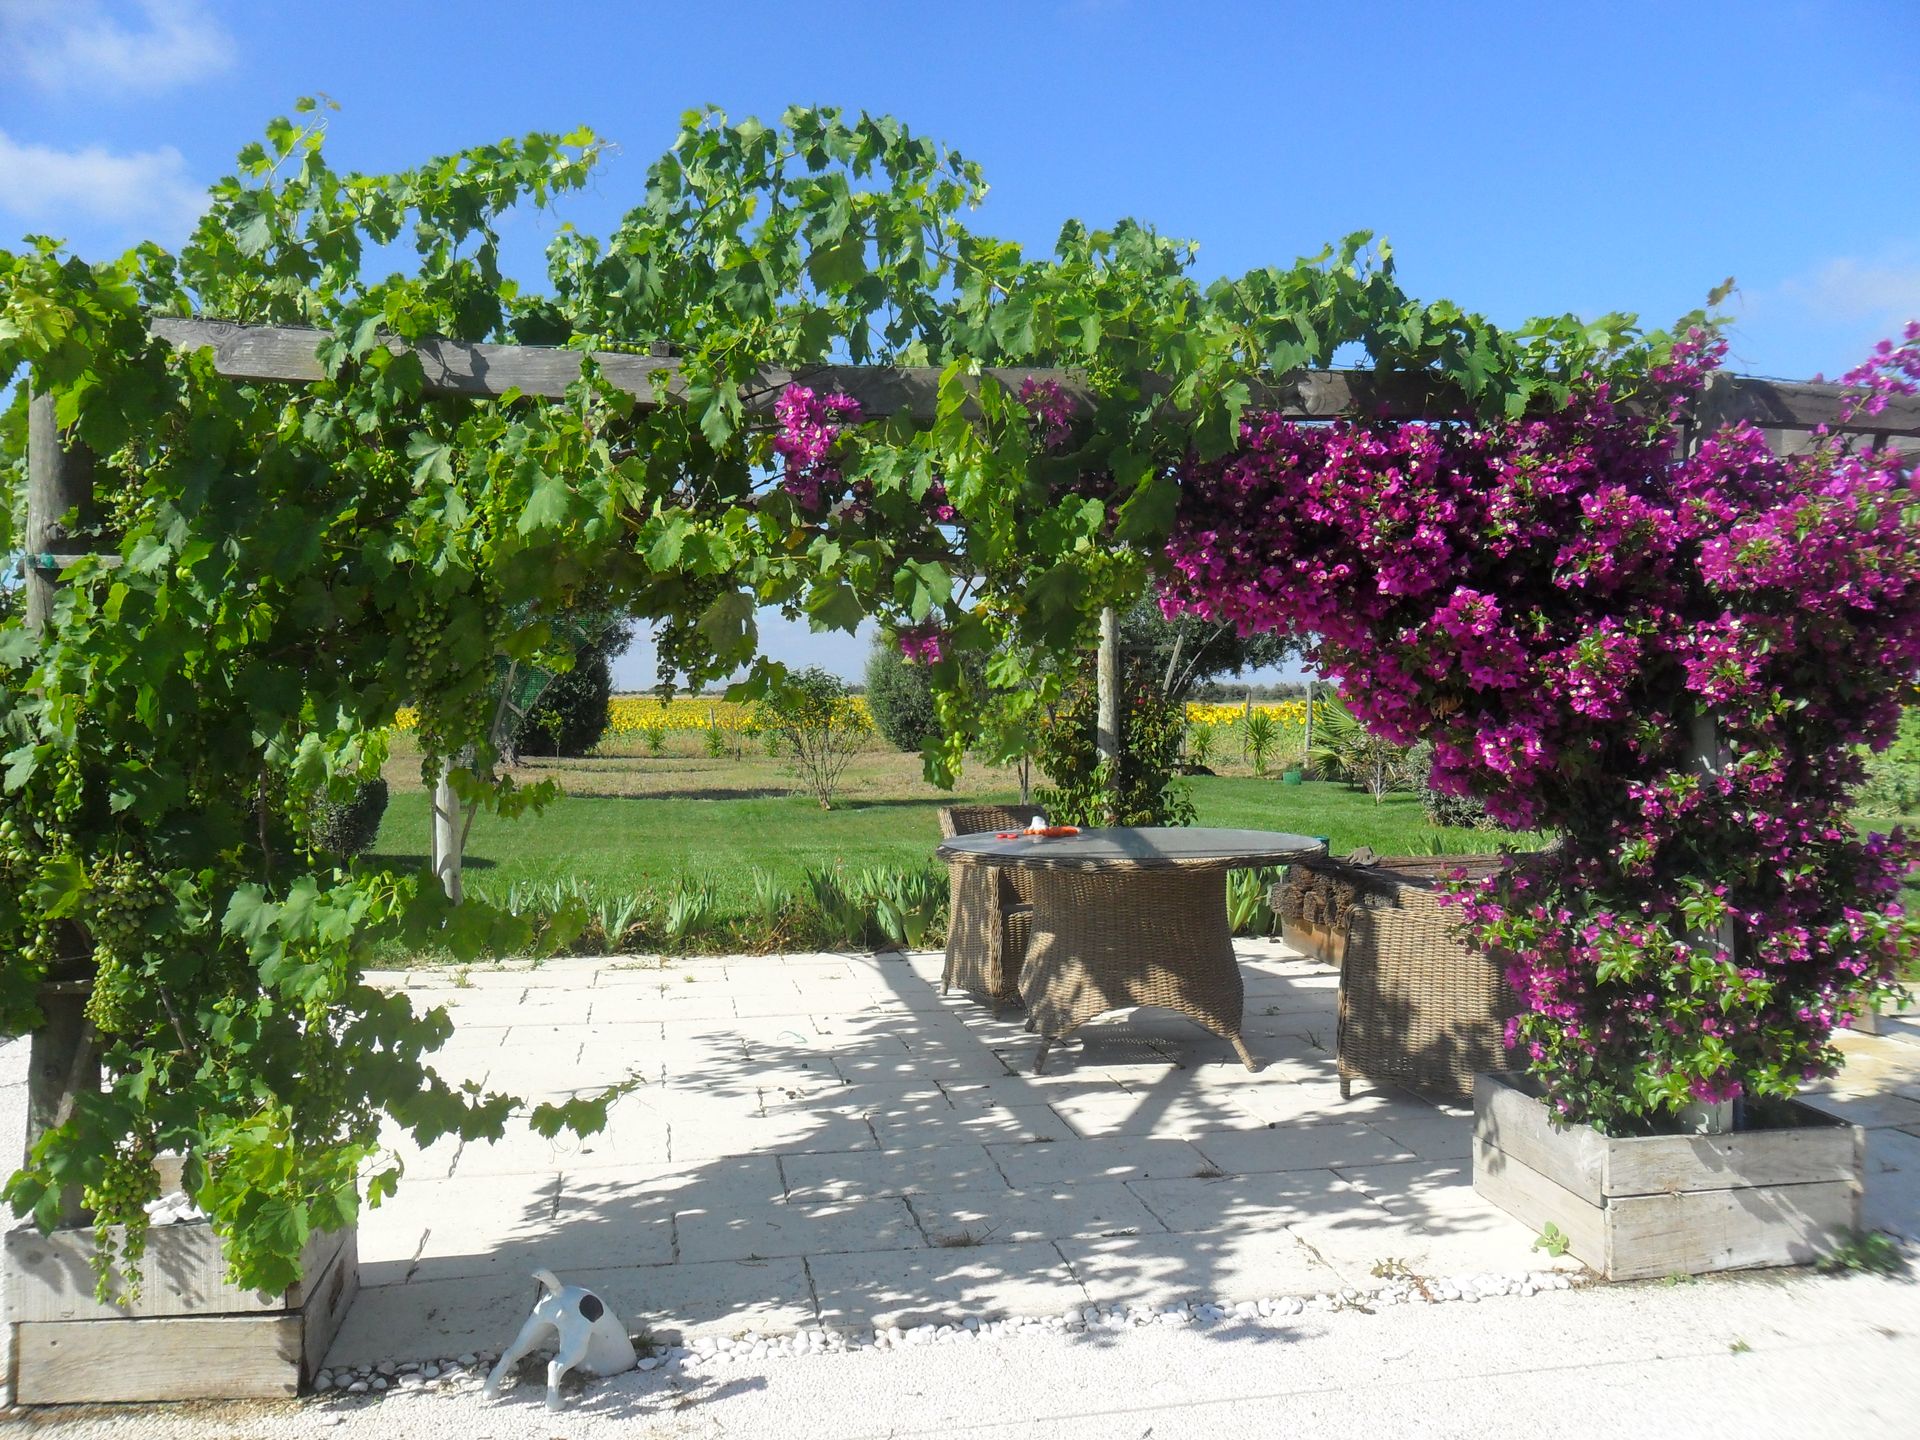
[118,1201]
[456,707]
[34,939]
[120,905]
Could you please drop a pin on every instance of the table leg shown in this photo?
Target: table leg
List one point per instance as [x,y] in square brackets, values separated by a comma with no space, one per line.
[1109,939]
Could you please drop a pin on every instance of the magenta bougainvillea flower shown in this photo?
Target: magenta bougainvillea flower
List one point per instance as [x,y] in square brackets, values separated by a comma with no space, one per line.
[807,426]
[926,644]
[1576,614]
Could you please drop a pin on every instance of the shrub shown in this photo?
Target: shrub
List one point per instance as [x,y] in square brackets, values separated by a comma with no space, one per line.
[818,723]
[900,697]
[348,828]
[1143,789]
[906,903]
[1460,812]
[572,713]
[1892,784]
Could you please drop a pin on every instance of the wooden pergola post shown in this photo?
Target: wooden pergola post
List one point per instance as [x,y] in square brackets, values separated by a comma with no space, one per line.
[1107,683]
[64,1061]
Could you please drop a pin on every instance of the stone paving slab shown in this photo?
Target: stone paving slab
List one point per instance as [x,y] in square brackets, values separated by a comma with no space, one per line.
[1088,1211]
[1069,1162]
[1160,1269]
[1300,1147]
[633,1136]
[432,1318]
[945,1284]
[1164,1110]
[1256,1202]
[874,1174]
[1016,1124]
[776,1229]
[439,1219]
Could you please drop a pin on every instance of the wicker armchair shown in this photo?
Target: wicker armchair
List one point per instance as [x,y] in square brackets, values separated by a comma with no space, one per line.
[991,914]
[1417,1007]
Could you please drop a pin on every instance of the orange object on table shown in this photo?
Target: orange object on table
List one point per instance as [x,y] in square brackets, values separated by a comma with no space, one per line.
[1051,832]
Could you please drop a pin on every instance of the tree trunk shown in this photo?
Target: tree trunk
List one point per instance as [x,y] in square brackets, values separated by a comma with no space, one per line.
[447,834]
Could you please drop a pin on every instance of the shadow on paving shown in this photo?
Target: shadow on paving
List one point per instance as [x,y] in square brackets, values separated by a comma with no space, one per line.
[866,1153]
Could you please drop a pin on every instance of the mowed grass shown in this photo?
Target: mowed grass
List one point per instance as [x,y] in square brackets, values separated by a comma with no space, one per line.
[643,823]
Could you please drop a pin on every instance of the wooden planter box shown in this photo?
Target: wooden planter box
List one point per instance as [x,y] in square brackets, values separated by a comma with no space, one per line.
[1783,1193]
[190,1336]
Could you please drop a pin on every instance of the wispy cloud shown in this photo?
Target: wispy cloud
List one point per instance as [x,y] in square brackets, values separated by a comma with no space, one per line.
[64,188]
[1847,288]
[111,46]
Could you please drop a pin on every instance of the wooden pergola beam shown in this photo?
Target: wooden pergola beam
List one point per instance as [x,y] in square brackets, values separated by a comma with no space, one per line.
[454,368]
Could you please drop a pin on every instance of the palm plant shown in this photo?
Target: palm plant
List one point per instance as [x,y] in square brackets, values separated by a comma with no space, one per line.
[1344,747]
[1262,734]
[1201,739]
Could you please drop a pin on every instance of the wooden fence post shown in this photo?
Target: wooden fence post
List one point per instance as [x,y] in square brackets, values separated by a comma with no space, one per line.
[63,1058]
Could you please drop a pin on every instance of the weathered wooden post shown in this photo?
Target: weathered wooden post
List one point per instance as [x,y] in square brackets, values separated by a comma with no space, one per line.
[63,1061]
[1107,680]
[1306,744]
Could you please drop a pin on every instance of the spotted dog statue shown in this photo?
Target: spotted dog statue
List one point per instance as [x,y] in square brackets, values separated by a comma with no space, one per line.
[588,1337]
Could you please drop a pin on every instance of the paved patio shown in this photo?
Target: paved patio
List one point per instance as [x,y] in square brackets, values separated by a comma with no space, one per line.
[823,1139]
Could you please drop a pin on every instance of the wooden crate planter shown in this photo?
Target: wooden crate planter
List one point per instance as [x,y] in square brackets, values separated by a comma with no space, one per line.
[190,1336]
[1783,1193]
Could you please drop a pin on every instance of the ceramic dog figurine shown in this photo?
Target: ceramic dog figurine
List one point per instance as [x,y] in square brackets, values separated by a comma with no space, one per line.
[588,1337]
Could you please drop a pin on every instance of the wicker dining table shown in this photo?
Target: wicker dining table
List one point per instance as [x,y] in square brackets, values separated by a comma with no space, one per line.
[1126,917]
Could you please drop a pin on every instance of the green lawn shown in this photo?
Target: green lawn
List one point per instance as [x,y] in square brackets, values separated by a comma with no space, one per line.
[620,843]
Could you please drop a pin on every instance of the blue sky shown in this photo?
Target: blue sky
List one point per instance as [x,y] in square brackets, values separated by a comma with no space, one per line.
[1522,157]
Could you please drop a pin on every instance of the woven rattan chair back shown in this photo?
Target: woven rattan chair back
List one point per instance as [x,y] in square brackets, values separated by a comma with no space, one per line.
[980,819]
[989,916]
[1418,1007]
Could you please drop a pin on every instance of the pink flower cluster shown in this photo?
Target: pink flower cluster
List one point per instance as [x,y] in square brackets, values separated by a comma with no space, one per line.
[924,643]
[1890,370]
[807,428]
[1555,603]
[1051,409]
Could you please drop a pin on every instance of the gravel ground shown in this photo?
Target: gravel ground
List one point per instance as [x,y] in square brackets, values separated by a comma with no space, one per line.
[1767,1355]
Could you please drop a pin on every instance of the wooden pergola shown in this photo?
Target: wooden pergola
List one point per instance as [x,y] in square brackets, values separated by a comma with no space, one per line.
[60,483]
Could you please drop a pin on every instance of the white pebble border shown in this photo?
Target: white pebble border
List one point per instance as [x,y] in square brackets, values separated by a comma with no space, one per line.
[388,1377]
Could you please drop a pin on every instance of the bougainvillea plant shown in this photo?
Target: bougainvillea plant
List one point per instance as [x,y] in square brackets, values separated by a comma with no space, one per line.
[1670,655]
